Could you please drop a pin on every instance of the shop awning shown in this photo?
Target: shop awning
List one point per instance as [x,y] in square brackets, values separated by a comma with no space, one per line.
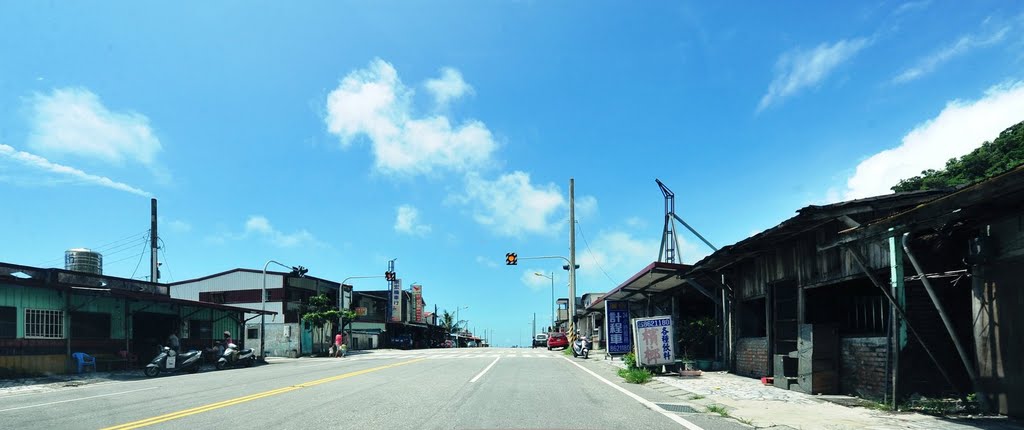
[656,278]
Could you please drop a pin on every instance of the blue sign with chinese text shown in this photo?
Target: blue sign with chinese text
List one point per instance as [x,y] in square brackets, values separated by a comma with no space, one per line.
[617,321]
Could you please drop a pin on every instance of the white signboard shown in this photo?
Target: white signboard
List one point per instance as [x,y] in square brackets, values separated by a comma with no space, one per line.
[396,300]
[654,340]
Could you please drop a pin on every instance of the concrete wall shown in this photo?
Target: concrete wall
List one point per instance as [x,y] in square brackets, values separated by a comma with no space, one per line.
[277,344]
[752,356]
[862,364]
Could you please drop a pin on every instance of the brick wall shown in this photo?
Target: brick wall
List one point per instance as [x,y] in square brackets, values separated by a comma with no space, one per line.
[862,366]
[752,356]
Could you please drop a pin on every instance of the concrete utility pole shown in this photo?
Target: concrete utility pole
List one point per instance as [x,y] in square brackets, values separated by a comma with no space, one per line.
[572,259]
[154,268]
[534,326]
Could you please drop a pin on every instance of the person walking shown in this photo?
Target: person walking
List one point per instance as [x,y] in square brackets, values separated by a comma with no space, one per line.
[338,340]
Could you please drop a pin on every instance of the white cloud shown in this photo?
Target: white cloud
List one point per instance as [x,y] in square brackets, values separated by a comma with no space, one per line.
[511,205]
[448,87]
[621,255]
[960,47]
[260,226]
[586,207]
[40,163]
[961,127]
[799,69]
[534,282]
[73,121]
[408,221]
[635,222]
[373,103]
[911,6]
[488,262]
[179,226]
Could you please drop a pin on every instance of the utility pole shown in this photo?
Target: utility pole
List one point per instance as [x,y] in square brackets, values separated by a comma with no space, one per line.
[572,260]
[154,268]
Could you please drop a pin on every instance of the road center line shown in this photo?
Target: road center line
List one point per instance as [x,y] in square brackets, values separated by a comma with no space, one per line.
[235,401]
[75,400]
[650,405]
[485,370]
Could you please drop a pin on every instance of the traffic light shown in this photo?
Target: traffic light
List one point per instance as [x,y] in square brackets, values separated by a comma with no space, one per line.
[390,276]
[511,259]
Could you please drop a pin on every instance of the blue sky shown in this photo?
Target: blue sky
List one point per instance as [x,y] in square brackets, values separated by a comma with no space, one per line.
[340,135]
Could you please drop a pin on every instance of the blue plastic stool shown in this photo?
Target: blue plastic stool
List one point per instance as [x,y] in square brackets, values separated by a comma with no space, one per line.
[84,360]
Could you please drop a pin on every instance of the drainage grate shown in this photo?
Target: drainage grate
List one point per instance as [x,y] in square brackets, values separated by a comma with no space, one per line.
[671,407]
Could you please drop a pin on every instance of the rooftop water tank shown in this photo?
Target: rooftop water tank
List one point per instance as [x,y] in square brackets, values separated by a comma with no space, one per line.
[83,260]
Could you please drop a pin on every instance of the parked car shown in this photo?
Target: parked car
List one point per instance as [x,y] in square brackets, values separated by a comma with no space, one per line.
[540,339]
[557,340]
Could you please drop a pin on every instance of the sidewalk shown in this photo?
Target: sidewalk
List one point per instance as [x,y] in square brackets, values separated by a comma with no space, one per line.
[747,400]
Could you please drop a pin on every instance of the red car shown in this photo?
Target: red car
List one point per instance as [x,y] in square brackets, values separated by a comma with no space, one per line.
[557,340]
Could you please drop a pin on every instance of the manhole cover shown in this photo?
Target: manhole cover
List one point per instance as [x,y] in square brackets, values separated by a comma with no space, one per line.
[677,408]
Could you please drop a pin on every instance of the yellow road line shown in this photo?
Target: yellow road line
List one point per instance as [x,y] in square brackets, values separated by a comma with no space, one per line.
[235,401]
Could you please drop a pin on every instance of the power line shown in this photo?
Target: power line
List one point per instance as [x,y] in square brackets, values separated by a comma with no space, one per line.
[140,261]
[109,263]
[163,250]
[133,236]
[580,228]
[106,248]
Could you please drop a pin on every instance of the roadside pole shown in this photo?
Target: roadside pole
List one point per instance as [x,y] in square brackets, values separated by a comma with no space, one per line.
[572,261]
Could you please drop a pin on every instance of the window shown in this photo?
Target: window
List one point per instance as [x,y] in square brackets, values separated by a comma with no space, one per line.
[253,333]
[8,322]
[200,329]
[44,324]
[90,325]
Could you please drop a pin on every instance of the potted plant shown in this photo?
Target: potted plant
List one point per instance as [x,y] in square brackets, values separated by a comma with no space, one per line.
[694,332]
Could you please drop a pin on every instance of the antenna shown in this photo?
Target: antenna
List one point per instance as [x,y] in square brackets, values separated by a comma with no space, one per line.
[669,239]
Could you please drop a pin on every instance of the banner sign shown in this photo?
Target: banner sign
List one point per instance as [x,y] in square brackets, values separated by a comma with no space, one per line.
[655,342]
[417,299]
[396,300]
[616,317]
[361,311]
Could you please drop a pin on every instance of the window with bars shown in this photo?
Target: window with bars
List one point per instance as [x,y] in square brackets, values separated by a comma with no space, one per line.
[44,324]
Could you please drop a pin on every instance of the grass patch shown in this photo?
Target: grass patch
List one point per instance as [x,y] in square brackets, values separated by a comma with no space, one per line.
[720,410]
[567,351]
[696,397]
[636,376]
[745,421]
[878,406]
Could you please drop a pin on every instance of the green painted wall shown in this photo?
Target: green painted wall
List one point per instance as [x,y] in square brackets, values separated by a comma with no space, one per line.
[29,298]
[104,305]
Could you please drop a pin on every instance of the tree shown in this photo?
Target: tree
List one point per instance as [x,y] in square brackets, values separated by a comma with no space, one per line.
[318,311]
[449,323]
[992,158]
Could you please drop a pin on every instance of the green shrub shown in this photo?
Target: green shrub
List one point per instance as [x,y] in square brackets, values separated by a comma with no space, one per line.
[636,376]
[630,360]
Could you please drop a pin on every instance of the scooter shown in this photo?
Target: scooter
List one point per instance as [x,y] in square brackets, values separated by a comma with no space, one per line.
[232,356]
[170,361]
[581,346]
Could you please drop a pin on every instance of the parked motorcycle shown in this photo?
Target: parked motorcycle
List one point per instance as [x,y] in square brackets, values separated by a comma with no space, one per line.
[170,361]
[581,346]
[232,356]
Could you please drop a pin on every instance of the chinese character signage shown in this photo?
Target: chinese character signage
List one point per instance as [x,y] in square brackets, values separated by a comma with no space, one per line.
[417,300]
[616,317]
[396,300]
[655,342]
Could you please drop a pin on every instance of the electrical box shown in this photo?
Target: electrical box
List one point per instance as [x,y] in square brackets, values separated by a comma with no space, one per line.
[287,331]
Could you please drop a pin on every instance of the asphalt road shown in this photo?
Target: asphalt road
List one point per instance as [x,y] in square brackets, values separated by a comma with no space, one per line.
[422,389]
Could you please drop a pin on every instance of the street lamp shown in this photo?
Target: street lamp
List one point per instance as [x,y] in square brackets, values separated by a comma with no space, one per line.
[552,278]
[296,270]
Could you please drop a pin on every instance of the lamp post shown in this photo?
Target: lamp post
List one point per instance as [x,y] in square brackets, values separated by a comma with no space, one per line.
[296,270]
[552,278]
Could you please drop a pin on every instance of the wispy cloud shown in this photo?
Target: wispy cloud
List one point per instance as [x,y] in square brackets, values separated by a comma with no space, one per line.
[534,282]
[40,163]
[407,221]
[258,225]
[512,205]
[799,69]
[960,47]
[375,104]
[74,122]
[911,6]
[488,262]
[450,86]
[960,128]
